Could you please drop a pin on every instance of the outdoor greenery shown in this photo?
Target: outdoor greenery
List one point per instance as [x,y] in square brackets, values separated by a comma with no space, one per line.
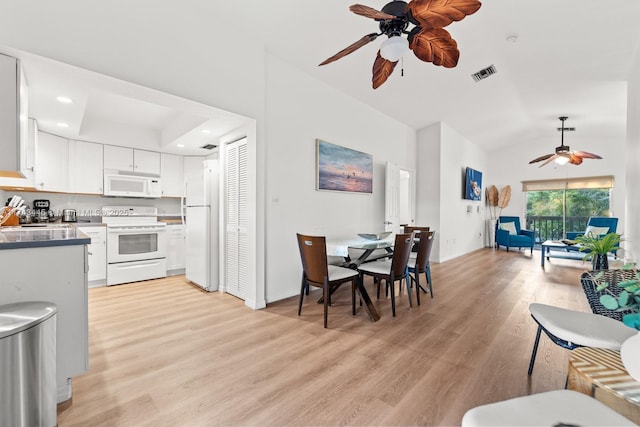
[545,210]
[585,203]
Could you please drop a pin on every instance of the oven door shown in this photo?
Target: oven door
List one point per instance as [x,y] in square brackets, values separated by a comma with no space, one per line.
[135,243]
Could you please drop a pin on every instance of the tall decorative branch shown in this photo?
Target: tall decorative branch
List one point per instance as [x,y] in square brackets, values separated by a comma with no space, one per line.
[505,196]
[492,198]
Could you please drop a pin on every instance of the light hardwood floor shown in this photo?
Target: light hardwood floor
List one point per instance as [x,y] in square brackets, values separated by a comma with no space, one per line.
[164,353]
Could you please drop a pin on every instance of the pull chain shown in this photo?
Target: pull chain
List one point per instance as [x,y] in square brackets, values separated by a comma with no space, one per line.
[402,67]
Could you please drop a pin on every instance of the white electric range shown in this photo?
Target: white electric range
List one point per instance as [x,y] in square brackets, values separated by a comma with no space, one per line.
[136,244]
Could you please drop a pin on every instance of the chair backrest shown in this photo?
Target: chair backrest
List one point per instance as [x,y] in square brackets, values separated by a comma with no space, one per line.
[424,249]
[401,251]
[613,277]
[514,219]
[604,221]
[313,252]
[411,229]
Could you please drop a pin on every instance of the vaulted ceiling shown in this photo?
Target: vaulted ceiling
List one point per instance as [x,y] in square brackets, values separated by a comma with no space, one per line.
[553,58]
[570,58]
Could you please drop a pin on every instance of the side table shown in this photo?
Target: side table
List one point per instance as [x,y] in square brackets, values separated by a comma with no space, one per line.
[600,373]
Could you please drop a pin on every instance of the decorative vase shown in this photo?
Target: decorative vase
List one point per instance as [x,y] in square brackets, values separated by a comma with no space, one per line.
[491,232]
[600,262]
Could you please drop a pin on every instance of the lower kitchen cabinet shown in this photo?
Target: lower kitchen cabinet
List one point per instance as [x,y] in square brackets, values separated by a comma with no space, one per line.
[175,249]
[54,274]
[97,252]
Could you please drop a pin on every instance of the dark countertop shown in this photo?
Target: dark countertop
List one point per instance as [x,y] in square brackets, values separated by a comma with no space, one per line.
[37,237]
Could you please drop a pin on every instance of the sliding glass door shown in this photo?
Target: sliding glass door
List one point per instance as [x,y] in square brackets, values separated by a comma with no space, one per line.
[552,211]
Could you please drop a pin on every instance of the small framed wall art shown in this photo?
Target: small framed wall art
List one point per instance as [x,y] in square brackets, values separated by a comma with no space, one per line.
[473,184]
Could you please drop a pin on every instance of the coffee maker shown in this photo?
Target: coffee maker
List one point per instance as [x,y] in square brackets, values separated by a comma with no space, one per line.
[42,211]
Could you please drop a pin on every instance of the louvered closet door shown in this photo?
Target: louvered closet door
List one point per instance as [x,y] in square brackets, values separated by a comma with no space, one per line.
[237,219]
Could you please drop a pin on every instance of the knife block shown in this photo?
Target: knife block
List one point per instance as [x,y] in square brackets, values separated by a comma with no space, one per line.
[8,219]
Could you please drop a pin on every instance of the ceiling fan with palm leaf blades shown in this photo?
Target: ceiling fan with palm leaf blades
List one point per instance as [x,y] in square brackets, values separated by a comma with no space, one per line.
[563,154]
[428,39]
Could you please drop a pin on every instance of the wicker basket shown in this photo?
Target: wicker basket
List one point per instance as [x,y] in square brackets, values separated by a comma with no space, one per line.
[589,285]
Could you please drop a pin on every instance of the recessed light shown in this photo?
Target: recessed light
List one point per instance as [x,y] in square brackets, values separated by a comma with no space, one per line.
[205,131]
[63,125]
[180,145]
[64,100]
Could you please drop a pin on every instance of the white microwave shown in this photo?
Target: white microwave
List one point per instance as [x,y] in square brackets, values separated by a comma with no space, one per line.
[128,184]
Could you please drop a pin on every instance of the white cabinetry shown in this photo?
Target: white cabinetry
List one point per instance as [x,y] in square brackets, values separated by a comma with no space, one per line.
[146,162]
[57,274]
[14,120]
[29,152]
[131,160]
[172,176]
[97,254]
[85,171]
[176,248]
[9,127]
[52,163]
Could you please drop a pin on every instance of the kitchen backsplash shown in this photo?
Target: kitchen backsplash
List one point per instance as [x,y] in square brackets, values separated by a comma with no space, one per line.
[90,205]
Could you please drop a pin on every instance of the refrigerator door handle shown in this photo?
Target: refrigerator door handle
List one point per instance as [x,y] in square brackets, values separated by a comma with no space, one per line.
[183,201]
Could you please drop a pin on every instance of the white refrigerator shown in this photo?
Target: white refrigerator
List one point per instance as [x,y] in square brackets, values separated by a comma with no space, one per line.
[200,217]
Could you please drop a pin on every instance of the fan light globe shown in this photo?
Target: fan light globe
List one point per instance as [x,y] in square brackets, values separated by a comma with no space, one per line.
[394,48]
[562,160]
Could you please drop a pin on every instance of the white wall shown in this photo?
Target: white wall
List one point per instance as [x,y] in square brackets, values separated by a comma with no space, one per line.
[428,182]
[632,238]
[510,165]
[443,156]
[299,110]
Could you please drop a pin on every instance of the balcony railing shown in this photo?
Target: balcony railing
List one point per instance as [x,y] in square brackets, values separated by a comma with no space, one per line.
[550,227]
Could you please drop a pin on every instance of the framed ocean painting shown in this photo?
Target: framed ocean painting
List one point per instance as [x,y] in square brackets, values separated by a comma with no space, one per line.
[343,169]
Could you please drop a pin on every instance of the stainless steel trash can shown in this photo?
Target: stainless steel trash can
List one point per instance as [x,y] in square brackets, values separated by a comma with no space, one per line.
[28,364]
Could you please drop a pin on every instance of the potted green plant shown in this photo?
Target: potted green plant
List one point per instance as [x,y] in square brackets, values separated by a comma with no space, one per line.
[626,300]
[597,248]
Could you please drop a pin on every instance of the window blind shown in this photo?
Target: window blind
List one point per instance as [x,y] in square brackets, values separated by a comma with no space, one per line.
[569,183]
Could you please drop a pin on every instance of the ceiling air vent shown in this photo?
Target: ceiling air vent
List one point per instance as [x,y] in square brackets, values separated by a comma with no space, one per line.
[484,73]
[209,146]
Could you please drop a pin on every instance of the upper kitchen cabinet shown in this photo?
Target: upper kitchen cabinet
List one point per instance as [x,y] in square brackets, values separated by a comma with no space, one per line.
[131,160]
[52,163]
[85,171]
[13,120]
[172,176]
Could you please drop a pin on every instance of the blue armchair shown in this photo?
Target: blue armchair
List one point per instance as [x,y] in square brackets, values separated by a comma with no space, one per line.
[599,223]
[510,235]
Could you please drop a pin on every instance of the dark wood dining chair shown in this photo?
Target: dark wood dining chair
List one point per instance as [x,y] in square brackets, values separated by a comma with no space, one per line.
[420,264]
[411,229]
[391,271]
[317,272]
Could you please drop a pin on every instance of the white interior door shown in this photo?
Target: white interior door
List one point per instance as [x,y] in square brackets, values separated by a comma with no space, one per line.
[399,198]
[392,198]
[237,220]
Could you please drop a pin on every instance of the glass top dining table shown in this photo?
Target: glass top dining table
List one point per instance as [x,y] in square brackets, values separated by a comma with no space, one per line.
[340,247]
